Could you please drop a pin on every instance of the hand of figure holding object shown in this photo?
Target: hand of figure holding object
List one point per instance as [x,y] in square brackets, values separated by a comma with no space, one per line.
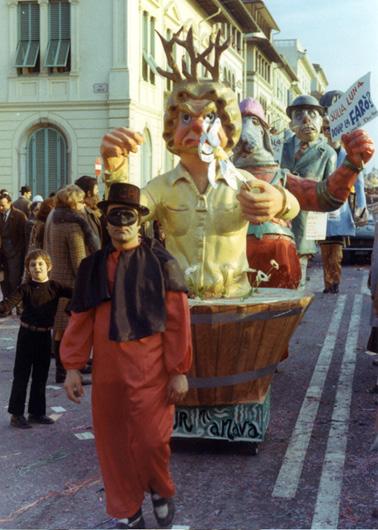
[73,386]
[259,201]
[116,146]
[177,388]
[359,147]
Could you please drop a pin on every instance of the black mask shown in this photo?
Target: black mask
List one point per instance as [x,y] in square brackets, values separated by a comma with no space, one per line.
[122,217]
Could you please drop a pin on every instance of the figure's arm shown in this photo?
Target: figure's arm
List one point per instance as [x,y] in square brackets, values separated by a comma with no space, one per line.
[177,344]
[330,194]
[77,340]
[115,149]
[75,350]
[65,291]
[12,301]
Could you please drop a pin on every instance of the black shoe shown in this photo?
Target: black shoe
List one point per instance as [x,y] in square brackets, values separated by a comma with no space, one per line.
[19,422]
[136,521]
[43,420]
[327,290]
[335,288]
[163,522]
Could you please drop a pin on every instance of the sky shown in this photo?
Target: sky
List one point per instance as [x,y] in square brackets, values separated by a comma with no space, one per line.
[340,35]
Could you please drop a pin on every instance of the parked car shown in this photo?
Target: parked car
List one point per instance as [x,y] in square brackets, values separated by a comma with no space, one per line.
[361,245]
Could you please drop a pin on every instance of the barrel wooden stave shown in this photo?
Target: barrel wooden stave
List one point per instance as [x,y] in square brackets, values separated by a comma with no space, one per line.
[222,349]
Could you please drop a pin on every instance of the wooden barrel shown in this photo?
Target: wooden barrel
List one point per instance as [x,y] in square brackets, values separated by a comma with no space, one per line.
[238,343]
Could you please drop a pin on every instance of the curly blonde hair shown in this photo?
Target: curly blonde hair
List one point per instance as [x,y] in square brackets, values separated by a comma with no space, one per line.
[69,196]
[225,101]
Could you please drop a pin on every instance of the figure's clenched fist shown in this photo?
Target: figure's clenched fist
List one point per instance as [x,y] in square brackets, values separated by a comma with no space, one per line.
[260,202]
[359,147]
[116,146]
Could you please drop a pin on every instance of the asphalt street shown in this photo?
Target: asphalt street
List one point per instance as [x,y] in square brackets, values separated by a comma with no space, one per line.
[313,470]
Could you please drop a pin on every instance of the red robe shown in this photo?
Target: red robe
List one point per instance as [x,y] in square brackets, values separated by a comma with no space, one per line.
[131,417]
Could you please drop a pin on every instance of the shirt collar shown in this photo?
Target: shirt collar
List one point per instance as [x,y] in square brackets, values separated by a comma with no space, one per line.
[6,214]
[298,142]
[180,173]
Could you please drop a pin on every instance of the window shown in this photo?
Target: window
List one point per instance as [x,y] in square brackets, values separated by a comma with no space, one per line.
[47,161]
[148,59]
[58,49]
[27,54]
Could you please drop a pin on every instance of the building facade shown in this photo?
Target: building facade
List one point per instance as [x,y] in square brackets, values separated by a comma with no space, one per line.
[70,70]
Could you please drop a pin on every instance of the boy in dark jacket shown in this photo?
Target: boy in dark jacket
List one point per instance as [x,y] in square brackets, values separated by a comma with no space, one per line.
[39,296]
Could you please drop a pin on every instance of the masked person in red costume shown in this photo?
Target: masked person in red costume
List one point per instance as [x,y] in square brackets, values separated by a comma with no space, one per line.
[130,304]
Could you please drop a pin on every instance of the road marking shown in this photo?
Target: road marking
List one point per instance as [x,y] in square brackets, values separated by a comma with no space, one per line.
[8,327]
[84,435]
[326,514]
[53,387]
[58,409]
[289,475]
[364,281]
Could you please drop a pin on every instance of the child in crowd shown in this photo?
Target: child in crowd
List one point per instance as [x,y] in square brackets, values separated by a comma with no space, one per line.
[39,296]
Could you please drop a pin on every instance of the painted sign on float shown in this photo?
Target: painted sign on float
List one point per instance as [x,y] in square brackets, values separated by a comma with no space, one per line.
[353,109]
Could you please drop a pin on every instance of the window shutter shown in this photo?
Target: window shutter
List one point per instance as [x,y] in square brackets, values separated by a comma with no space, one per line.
[47,161]
[152,48]
[145,47]
[28,35]
[59,35]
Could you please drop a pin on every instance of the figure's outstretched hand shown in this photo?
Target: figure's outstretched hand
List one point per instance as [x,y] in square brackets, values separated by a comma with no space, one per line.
[73,386]
[177,388]
[116,146]
[259,201]
[359,146]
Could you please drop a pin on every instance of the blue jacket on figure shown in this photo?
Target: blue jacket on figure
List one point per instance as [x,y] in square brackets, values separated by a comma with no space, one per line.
[317,163]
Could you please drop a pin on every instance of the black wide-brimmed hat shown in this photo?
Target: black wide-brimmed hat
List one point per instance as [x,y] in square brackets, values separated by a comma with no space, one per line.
[124,194]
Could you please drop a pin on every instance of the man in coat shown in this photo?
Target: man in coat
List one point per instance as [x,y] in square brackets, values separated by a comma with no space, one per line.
[12,251]
[308,155]
[92,213]
[23,203]
[130,304]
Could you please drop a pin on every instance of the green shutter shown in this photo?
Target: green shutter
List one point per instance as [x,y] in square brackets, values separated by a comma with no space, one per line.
[28,35]
[47,161]
[59,44]
[152,48]
[145,47]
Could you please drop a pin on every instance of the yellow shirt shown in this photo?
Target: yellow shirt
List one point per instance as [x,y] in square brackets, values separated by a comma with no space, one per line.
[205,232]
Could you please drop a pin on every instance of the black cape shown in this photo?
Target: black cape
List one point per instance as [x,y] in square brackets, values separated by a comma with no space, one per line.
[143,276]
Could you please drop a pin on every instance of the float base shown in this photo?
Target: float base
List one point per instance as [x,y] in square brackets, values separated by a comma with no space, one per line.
[245,422]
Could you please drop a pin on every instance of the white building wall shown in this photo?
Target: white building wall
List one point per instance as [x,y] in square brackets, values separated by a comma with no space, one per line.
[104,89]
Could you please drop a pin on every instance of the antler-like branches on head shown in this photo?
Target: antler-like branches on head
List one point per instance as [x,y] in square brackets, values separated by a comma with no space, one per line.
[175,75]
[219,48]
[195,58]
